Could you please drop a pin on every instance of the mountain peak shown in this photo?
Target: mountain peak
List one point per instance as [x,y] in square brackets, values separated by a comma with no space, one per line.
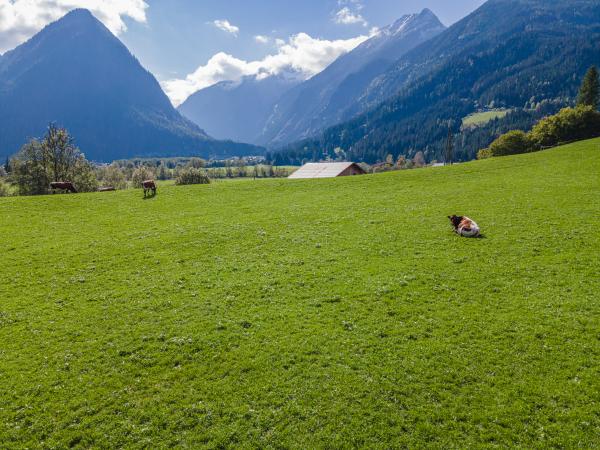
[429,15]
[78,74]
[79,16]
[79,12]
[411,22]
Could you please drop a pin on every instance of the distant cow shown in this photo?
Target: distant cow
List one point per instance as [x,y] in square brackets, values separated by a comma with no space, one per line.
[464,226]
[106,189]
[63,186]
[149,187]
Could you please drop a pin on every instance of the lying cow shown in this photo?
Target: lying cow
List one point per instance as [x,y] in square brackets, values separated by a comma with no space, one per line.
[464,226]
[63,186]
[149,186]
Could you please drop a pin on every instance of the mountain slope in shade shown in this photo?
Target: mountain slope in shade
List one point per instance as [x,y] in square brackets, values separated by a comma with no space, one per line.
[525,55]
[237,110]
[76,73]
[333,95]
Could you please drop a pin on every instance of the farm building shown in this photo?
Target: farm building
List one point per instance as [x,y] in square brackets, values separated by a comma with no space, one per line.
[328,170]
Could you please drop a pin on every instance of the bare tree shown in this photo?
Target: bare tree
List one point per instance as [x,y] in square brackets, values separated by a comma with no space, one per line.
[419,159]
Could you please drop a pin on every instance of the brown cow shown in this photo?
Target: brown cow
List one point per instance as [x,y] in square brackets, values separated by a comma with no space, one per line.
[63,186]
[149,186]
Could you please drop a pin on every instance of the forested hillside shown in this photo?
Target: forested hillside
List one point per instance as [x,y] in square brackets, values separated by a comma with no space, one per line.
[334,94]
[526,55]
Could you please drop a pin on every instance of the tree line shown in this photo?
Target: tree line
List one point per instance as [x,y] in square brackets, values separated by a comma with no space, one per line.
[535,73]
[568,125]
[56,158]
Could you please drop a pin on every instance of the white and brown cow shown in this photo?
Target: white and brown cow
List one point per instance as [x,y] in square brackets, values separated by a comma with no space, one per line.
[465,227]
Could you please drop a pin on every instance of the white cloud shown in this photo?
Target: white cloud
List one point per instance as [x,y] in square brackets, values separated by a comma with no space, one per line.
[346,16]
[301,53]
[227,27]
[349,14]
[21,19]
[262,39]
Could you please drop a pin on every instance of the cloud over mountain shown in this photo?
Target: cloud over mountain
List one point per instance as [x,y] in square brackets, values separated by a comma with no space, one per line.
[301,53]
[21,19]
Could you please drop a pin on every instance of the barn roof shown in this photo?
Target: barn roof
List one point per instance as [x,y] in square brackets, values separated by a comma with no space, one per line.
[322,170]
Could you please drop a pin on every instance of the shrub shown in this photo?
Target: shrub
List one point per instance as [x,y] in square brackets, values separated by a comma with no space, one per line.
[84,176]
[112,176]
[570,124]
[5,190]
[192,176]
[484,153]
[511,143]
[140,175]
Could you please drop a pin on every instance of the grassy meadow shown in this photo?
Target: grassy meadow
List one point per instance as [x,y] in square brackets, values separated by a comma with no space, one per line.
[481,118]
[309,314]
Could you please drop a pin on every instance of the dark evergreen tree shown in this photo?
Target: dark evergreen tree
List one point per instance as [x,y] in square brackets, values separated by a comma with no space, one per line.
[449,155]
[589,94]
[7,165]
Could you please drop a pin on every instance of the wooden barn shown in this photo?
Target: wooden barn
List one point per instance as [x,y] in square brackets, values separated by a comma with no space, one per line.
[328,170]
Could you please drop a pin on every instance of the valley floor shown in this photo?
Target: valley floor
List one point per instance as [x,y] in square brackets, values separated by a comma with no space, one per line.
[308,314]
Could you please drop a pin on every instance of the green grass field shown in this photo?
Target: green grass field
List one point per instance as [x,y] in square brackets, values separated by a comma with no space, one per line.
[478,119]
[309,314]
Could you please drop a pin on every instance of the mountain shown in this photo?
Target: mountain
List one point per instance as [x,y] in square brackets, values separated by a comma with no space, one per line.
[333,95]
[237,110]
[76,73]
[524,55]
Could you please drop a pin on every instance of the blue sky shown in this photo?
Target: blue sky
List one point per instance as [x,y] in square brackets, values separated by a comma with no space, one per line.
[191,44]
[178,35]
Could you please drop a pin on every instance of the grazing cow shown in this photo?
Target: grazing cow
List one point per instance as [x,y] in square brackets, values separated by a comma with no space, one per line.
[63,186]
[464,226]
[149,186]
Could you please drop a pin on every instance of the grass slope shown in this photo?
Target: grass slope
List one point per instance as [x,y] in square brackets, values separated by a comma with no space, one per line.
[309,314]
[479,119]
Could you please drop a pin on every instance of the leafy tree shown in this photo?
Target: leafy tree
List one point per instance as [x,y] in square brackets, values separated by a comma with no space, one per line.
[589,93]
[484,153]
[113,176]
[141,174]
[570,124]
[197,163]
[30,170]
[511,143]
[60,153]
[4,189]
[83,176]
[163,172]
[54,158]
[191,175]
[401,162]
